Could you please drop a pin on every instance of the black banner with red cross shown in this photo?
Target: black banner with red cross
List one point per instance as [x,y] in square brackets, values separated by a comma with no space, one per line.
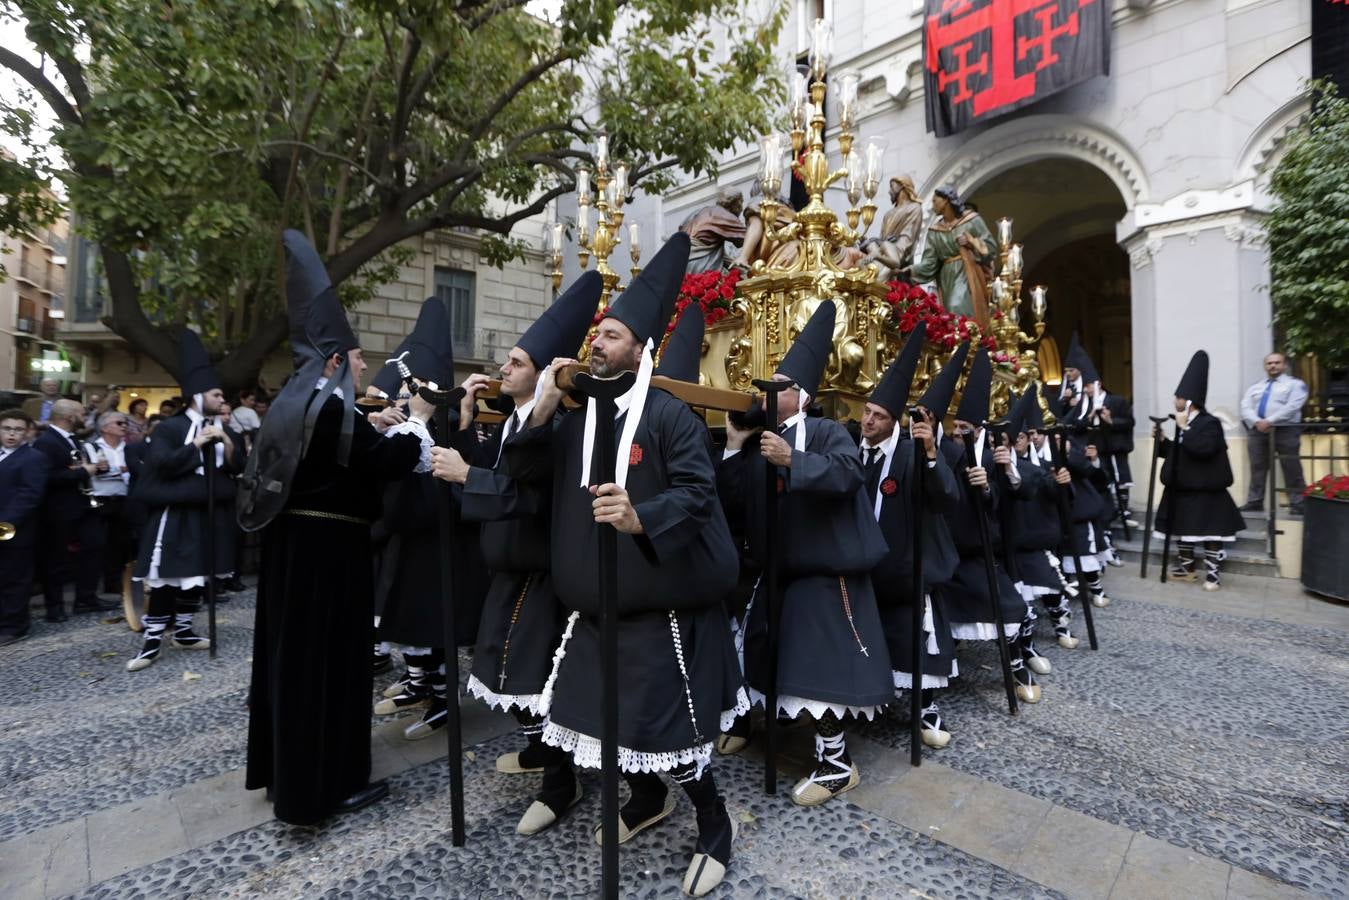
[983,58]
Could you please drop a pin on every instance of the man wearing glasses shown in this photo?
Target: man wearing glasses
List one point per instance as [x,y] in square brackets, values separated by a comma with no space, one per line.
[23,475]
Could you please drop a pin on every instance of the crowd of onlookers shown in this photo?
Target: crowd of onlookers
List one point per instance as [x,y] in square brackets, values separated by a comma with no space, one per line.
[68,510]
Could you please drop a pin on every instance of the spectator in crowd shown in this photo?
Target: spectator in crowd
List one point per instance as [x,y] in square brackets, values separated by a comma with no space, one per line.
[260,404]
[23,474]
[100,402]
[135,420]
[39,408]
[110,483]
[70,525]
[245,420]
[1274,403]
[168,407]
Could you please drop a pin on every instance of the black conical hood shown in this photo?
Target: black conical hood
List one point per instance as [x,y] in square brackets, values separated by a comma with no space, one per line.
[431,356]
[648,303]
[563,326]
[683,353]
[1035,420]
[387,379]
[806,359]
[893,391]
[1194,383]
[196,375]
[973,406]
[1018,416]
[937,398]
[316,316]
[1077,358]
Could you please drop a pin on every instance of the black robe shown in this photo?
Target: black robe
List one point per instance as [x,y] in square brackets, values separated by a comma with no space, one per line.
[966,592]
[893,576]
[174,497]
[831,646]
[408,594]
[672,581]
[1196,474]
[509,492]
[1090,508]
[1036,531]
[309,701]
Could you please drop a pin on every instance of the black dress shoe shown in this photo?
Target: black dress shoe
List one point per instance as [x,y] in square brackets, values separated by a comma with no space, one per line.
[8,637]
[57,617]
[94,604]
[236,584]
[372,793]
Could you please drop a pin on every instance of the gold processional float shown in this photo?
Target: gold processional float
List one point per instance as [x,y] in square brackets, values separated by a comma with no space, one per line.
[780,291]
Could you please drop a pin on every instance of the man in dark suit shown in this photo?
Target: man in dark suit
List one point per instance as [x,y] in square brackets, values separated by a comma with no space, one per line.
[23,475]
[68,519]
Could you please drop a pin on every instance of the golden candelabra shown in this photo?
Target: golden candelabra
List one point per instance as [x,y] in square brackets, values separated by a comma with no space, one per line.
[1005,324]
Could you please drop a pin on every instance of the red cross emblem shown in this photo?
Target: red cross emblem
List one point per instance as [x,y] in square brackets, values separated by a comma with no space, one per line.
[888,487]
[635,454]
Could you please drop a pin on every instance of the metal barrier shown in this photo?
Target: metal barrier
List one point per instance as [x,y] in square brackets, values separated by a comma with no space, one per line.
[1318,437]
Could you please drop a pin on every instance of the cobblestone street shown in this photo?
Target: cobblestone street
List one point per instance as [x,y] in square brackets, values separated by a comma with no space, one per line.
[1202,752]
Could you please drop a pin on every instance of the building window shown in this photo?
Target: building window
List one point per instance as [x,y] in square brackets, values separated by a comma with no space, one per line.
[454,288]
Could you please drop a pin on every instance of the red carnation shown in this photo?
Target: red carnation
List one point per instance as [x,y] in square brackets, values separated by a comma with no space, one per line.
[888,487]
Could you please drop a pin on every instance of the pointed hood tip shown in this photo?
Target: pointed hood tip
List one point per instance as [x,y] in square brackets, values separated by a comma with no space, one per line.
[683,354]
[196,375]
[893,391]
[648,303]
[974,399]
[808,356]
[937,398]
[560,329]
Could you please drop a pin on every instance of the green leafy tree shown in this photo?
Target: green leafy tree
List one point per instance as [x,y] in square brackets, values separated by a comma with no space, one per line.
[192,134]
[1308,233]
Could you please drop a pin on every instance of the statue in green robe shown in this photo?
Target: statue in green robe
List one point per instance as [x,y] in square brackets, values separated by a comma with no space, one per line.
[959,256]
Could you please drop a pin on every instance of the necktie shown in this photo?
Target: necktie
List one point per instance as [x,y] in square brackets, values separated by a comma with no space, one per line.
[872,453]
[1264,399]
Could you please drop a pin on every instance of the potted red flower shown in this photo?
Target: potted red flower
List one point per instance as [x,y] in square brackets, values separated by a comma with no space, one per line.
[1325,537]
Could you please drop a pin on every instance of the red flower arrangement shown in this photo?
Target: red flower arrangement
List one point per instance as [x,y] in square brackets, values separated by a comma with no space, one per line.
[1329,487]
[910,304]
[712,291]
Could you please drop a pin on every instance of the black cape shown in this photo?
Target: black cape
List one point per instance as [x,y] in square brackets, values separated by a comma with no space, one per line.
[309,700]
[1197,473]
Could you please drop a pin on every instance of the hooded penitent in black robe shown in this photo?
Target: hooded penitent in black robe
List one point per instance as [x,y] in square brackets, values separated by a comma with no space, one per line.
[893,576]
[1197,473]
[1036,530]
[408,593]
[309,702]
[1088,509]
[173,539]
[966,592]
[510,494]
[679,683]
[831,647]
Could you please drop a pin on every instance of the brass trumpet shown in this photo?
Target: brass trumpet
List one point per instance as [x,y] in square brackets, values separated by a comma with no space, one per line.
[7,531]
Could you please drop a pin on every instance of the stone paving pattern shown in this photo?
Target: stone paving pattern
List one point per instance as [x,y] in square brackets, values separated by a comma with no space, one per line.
[1202,750]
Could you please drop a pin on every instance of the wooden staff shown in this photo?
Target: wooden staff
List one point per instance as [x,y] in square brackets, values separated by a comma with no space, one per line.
[1171,514]
[1152,490]
[208,467]
[443,402]
[919,597]
[605,391]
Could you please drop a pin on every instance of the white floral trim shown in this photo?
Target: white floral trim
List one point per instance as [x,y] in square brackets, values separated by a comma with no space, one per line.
[1195,538]
[742,706]
[1030,591]
[503,702]
[904,681]
[793,706]
[585,752]
[1089,563]
[417,427]
[982,631]
[546,698]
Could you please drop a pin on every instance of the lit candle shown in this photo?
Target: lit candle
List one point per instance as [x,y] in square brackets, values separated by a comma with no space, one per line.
[553,238]
[999,288]
[582,186]
[634,242]
[583,225]
[620,185]
[874,154]
[1014,259]
[821,48]
[1038,303]
[1004,231]
[856,176]
[771,150]
[602,153]
[847,100]
[797,92]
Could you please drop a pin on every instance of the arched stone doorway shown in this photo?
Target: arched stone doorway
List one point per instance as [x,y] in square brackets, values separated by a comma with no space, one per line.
[1064,213]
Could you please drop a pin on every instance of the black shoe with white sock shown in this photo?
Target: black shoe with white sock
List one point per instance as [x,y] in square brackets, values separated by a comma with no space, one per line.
[931,727]
[1027,691]
[716,832]
[437,714]
[151,643]
[184,637]
[1033,659]
[1061,616]
[833,774]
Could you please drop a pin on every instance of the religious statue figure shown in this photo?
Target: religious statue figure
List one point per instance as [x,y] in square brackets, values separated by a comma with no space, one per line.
[780,254]
[710,229]
[959,256]
[893,247]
